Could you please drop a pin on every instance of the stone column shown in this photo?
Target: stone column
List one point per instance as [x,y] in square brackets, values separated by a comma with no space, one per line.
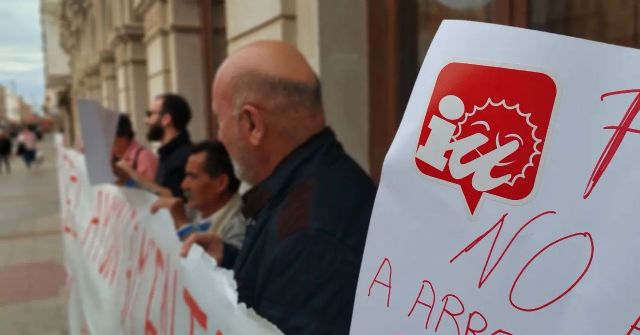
[249,20]
[131,74]
[172,38]
[344,69]
[109,94]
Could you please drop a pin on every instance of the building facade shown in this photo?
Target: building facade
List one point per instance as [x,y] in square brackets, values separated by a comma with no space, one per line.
[366,52]
[12,105]
[57,71]
[3,104]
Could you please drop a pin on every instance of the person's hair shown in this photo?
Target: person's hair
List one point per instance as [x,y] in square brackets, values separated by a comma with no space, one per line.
[279,93]
[178,107]
[217,162]
[125,128]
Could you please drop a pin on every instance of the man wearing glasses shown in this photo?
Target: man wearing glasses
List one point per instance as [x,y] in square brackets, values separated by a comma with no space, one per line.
[167,120]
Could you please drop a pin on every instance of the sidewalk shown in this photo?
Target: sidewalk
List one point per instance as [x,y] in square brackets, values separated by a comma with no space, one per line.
[32,275]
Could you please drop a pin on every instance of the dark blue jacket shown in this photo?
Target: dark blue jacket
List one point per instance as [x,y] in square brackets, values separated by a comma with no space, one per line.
[300,261]
[172,160]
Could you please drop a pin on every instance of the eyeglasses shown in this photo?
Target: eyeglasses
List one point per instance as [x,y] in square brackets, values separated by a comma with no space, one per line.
[150,113]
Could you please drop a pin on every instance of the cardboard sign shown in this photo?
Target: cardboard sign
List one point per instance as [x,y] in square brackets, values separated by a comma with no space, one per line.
[125,275]
[508,200]
[98,128]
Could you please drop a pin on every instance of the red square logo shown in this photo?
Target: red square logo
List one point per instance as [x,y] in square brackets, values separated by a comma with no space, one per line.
[485,130]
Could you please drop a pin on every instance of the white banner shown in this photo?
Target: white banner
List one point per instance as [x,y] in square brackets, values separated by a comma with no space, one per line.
[125,273]
[509,198]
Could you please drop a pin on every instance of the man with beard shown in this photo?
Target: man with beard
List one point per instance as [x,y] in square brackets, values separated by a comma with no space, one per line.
[310,205]
[167,119]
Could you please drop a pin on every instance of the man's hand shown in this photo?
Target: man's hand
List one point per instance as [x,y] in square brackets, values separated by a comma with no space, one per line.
[175,207]
[147,184]
[169,203]
[123,167]
[210,242]
[121,175]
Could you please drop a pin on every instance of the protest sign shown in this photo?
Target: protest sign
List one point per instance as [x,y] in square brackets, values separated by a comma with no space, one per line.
[125,274]
[508,200]
[98,128]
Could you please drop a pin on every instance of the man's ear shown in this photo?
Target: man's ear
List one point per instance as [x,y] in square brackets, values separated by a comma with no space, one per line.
[252,123]
[165,119]
[222,183]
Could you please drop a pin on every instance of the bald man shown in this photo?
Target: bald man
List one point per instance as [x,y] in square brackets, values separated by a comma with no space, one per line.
[310,204]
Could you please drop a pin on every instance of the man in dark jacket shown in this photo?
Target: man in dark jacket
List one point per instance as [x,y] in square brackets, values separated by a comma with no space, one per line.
[310,205]
[5,151]
[167,119]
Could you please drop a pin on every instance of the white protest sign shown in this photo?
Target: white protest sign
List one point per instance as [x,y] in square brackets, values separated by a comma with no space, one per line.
[125,274]
[98,128]
[508,202]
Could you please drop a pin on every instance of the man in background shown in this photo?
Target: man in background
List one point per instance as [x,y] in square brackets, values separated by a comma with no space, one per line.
[6,146]
[167,119]
[211,188]
[135,156]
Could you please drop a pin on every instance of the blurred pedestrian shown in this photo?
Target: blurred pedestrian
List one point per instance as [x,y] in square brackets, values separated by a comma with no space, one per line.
[27,146]
[6,147]
[126,149]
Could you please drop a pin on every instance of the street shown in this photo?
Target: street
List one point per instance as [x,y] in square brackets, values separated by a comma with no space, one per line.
[32,275]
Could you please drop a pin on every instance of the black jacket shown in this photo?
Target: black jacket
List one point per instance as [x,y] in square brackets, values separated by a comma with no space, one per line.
[299,264]
[172,160]
[5,146]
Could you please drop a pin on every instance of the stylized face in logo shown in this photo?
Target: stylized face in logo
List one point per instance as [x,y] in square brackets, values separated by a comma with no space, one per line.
[485,130]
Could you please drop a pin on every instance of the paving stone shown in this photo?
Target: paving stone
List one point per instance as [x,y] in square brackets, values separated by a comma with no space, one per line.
[33,297]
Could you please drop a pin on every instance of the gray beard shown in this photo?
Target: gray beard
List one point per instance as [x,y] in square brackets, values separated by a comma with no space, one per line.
[240,173]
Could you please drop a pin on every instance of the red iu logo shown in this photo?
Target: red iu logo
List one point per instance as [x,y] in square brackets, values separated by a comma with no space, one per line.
[485,130]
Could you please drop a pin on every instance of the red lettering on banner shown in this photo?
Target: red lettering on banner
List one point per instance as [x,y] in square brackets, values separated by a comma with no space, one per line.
[173,302]
[149,327]
[145,248]
[387,284]
[616,139]
[89,232]
[109,266]
[129,272]
[70,231]
[475,331]
[102,198]
[164,303]
[420,302]
[195,312]
[635,327]
[565,292]
[452,314]
[485,275]
[476,322]
[128,291]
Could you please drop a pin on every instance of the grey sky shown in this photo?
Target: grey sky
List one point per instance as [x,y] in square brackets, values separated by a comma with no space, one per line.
[21,58]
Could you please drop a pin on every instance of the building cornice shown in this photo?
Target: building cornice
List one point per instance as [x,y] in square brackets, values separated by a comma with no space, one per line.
[126,33]
[92,70]
[106,56]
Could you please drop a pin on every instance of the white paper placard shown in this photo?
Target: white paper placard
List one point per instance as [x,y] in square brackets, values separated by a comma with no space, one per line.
[98,128]
[508,199]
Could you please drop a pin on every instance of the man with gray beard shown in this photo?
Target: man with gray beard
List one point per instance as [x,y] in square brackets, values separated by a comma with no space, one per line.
[310,203]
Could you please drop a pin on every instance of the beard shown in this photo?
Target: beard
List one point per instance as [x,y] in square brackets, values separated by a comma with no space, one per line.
[239,171]
[155,132]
